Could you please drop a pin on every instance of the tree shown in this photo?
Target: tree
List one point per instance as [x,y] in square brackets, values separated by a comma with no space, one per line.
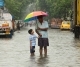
[15,7]
[56,8]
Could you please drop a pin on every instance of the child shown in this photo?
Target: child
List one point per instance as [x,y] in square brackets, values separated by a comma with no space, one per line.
[32,39]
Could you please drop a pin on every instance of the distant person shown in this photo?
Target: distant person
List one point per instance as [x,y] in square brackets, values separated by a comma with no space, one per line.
[30,24]
[18,26]
[13,24]
[32,39]
[42,31]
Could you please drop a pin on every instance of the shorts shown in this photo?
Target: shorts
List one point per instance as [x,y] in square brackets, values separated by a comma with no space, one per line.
[43,42]
[32,50]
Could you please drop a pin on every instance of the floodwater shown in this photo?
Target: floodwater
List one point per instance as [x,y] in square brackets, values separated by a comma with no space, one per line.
[64,50]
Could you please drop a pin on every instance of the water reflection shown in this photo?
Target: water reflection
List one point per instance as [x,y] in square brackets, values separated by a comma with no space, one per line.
[76,43]
[37,61]
[42,61]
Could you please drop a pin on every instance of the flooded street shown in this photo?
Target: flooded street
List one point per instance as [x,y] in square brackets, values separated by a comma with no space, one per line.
[64,51]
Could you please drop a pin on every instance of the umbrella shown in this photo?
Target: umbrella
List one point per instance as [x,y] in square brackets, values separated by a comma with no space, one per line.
[33,15]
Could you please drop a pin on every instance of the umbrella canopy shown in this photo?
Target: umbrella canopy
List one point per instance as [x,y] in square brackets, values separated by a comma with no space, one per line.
[33,15]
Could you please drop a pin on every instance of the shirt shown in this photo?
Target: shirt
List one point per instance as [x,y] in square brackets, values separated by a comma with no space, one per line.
[32,38]
[43,25]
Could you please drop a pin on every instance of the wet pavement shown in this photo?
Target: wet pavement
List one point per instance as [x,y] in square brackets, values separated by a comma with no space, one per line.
[64,51]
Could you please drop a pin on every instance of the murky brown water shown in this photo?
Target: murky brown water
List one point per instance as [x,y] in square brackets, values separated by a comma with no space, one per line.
[64,51]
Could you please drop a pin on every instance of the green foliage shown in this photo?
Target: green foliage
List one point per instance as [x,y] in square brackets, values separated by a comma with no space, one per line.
[15,7]
[56,8]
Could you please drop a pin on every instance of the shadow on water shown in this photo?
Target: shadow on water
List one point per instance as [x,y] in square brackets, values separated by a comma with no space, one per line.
[77,43]
[38,61]
[42,61]
[5,38]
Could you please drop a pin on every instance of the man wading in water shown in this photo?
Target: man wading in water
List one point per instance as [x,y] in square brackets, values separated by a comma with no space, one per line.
[42,31]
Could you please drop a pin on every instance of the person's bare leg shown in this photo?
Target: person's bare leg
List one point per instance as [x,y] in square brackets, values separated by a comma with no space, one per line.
[32,54]
[45,51]
[41,49]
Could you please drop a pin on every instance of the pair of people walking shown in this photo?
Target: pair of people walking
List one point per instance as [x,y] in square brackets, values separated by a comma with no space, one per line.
[42,31]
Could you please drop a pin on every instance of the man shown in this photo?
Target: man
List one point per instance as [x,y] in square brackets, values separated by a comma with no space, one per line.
[18,26]
[42,31]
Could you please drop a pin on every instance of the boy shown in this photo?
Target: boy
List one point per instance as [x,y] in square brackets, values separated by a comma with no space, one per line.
[32,39]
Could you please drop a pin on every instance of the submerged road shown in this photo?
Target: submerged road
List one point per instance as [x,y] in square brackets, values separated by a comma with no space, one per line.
[64,50]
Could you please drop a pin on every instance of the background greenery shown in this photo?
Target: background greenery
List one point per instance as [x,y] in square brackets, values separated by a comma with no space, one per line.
[55,8]
[16,6]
